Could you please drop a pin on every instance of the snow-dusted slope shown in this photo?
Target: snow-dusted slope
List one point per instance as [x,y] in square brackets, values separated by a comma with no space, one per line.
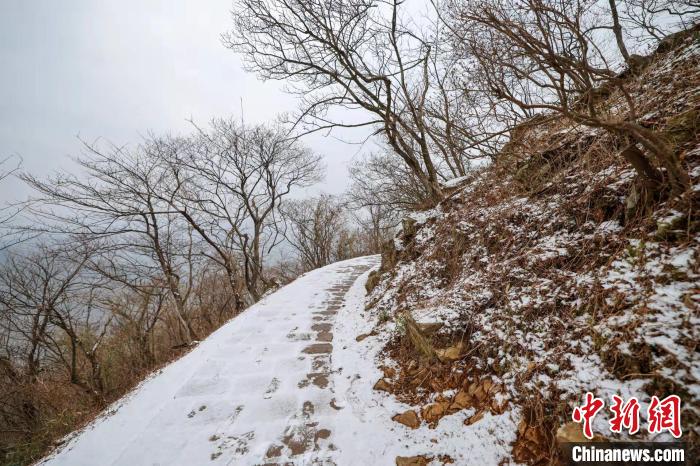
[258,390]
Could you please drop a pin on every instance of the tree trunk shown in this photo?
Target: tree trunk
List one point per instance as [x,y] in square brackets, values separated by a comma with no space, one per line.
[641,164]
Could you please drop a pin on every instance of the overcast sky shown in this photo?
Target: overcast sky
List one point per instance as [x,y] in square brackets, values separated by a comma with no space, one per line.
[116,69]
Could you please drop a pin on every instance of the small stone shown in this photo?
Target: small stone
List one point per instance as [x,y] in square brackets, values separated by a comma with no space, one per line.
[573,432]
[474,419]
[434,411]
[412,460]
[428,328]
[382,385]
[408,418]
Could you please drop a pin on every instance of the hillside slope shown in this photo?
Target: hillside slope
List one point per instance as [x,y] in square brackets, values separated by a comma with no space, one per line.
[548,274]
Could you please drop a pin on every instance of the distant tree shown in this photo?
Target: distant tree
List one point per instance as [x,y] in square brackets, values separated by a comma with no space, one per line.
[382,182]
[47,297]
[122,197]
[10,235]
[653,20]
[228,186]
[317,230]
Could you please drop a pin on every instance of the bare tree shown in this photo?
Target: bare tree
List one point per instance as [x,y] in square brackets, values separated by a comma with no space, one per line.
[315,229]
[10,235]
[228,186]
[547,55]
[120,198]
[654,20]
[380,181]
[356,54]
[47,298]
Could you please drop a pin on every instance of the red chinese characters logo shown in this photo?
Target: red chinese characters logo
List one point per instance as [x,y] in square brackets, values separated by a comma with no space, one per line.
[662,415]
[665,415]
[624,415]
[587,412]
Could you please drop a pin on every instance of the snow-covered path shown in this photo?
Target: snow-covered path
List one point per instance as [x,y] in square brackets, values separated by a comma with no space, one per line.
[257,391]
[285,383]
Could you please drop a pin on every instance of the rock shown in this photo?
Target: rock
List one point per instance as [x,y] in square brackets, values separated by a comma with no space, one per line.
[429,328]
[665,227]
[412,460]
[632,201]
[434,411]
[382,385]
[637,63]
[450,354]
[671,41]
[389,372]
[365,335]
[373,280]
[409,227]
[408,418]
[474,419]
[570,432]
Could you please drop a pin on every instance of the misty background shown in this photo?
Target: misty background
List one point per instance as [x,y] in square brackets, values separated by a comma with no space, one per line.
[116,70]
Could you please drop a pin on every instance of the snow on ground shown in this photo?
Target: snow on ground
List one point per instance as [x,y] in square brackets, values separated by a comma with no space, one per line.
[367,435]
[285,382]
[256,391]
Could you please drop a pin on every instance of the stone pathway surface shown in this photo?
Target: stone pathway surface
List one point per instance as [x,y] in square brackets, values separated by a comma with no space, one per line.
[260,390]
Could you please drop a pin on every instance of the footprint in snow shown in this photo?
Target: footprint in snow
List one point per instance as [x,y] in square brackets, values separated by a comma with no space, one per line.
[272,388]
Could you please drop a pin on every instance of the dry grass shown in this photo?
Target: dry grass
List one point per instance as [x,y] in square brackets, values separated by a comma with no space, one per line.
[558,167]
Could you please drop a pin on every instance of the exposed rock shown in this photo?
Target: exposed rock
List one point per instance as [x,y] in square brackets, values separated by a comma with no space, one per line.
[434,411]
[573,432]
[408,418]
[373,280]
[671,41]
[637,63]
[409,227]
[429,328]
[412,460]
[570,432]
[382,385]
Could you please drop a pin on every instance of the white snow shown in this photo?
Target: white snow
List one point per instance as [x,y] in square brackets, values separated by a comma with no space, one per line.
[369,436]
[230,398]
[242,393]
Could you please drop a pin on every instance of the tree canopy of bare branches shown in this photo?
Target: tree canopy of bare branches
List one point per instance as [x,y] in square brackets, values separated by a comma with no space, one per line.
[364,55]
[552,56]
